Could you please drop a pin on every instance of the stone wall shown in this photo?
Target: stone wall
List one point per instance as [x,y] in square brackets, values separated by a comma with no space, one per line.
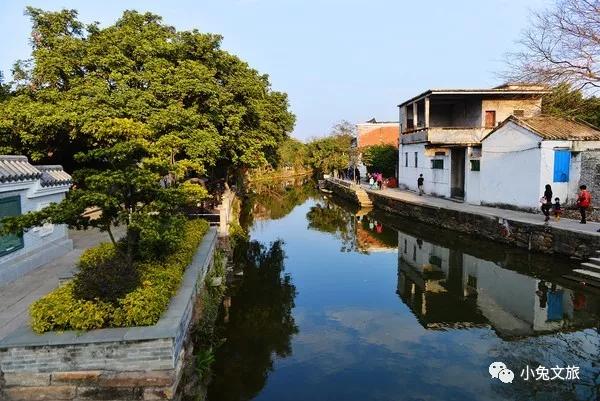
[137,363]
[590,174]
[538,238]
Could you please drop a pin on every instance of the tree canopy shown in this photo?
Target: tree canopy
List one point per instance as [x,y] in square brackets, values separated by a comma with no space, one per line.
[382,159]
[87,87]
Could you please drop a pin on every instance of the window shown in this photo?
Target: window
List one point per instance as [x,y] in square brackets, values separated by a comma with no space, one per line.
[437,164]
[10,207]
[490,118]
[518,113]
[406,159]
[416,159]
[435,261]
[475,165]
[562,161]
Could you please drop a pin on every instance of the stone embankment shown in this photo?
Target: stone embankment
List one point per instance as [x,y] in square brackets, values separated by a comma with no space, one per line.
[518,229]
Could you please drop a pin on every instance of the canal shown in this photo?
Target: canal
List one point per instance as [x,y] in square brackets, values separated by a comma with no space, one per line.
[328,302]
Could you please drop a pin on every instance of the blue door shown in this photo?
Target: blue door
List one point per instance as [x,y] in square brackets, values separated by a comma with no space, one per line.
[562,162]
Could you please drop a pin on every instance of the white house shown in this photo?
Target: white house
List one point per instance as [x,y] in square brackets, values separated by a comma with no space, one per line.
[25,188]
[441,132]
[522,155]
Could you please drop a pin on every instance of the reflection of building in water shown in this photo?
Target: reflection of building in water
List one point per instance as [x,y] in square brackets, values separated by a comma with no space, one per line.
[372,236]
[448,288]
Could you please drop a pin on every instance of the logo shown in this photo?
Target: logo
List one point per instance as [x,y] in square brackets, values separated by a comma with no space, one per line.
[498,370]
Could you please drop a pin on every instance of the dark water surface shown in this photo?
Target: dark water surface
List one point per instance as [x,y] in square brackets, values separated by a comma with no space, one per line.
[340,304]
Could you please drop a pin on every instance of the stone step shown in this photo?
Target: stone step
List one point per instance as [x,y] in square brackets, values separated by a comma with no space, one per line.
[591,267]
[595,261]
[582,280]
[590,275]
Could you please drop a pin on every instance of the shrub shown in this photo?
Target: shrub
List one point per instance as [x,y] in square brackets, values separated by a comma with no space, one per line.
[104,274]
[160,280]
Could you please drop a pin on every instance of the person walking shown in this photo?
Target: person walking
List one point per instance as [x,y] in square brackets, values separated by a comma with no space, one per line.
[380,181]
[547,202]
[420,181]
[583,202]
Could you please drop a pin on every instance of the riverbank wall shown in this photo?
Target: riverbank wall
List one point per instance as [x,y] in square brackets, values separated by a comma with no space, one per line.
[136,363]
[534,237]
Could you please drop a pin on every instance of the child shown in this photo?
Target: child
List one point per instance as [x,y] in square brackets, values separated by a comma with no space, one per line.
[557,209]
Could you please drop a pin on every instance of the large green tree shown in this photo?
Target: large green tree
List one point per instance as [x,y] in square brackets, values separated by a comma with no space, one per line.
[85,87]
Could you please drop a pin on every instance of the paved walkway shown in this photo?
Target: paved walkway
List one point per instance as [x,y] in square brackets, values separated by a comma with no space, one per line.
[530,218]
[15,297]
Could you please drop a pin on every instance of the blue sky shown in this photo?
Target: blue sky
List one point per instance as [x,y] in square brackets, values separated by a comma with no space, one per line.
[336,59]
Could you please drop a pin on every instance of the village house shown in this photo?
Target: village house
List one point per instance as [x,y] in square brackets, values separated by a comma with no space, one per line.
[25,188]
[373,133]
[441,133]
[522,155]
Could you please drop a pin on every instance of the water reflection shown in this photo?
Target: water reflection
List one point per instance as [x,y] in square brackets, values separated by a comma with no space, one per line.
[352,226]
[383,308]
[451,288]
[272,200]
[258,322]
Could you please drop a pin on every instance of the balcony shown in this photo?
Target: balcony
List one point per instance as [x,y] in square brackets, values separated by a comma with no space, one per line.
[446,135]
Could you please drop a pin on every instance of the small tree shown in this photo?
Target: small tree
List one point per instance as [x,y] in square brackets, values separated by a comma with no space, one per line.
[125,192]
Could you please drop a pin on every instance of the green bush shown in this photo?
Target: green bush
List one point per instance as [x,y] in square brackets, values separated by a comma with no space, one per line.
[160,280]
[104,274]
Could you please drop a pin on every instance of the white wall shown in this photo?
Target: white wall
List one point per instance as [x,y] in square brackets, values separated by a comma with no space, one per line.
[472,179]
[437,182]
[41,244]
[559,189]
[510,168]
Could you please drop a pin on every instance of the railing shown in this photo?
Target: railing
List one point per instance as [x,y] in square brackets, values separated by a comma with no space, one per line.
[446,135]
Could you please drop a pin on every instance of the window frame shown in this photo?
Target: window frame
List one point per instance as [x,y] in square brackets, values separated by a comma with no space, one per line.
[475,162]
[437,162]
[21,245]
[416,159]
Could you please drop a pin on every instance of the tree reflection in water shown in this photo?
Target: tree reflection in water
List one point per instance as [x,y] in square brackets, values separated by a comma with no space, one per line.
[274,200]
[259,323]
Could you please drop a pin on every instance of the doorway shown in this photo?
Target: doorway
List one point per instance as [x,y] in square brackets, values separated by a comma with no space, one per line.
[457,173]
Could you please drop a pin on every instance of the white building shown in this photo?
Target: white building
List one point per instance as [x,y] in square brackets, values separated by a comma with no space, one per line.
[522,155]
[25,188]
[441,132]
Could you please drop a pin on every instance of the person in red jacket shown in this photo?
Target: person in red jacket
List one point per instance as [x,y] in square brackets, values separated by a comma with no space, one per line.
[583,202]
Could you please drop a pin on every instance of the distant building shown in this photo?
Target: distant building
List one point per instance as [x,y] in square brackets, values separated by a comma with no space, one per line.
[372,133]
[522,155]
[442,129]
[25,188]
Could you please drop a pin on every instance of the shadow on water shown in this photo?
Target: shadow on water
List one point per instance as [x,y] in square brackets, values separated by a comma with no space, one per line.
[257,322]
[457,304]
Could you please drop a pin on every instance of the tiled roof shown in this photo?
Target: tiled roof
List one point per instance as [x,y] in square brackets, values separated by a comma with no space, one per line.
[557,128]
[54,175]
[18,168]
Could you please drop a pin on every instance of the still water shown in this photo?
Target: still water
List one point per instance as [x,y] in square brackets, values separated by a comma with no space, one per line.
[334,303]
